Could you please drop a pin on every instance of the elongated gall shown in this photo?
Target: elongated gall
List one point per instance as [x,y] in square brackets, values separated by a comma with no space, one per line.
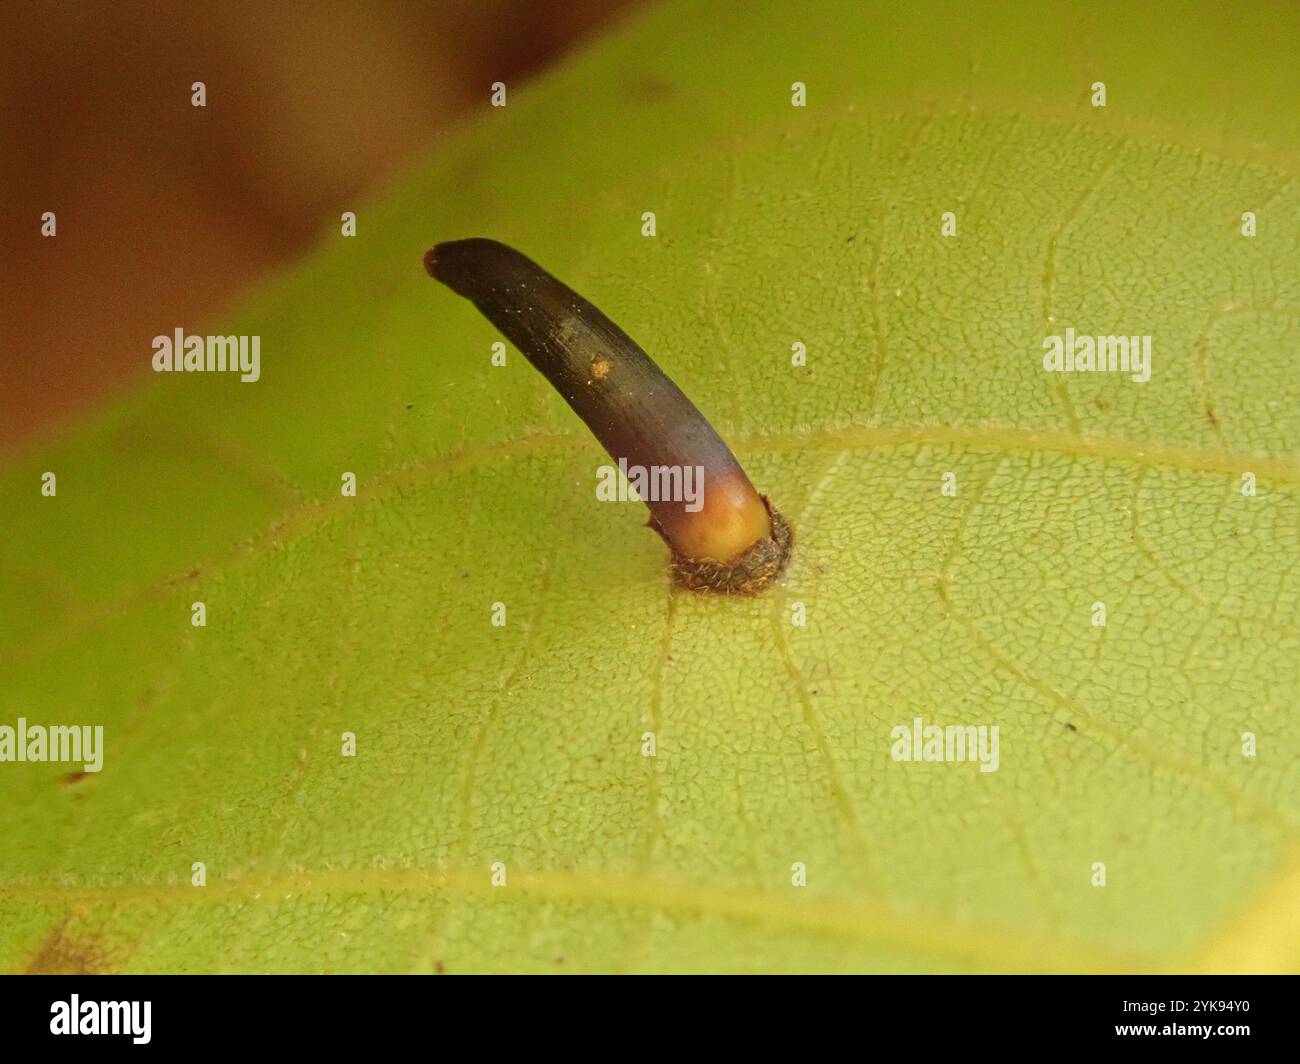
[728,538]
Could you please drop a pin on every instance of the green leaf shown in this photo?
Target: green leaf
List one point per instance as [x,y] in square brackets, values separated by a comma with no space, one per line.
[1120,744]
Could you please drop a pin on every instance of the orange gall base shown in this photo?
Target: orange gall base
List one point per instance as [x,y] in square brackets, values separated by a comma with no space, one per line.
[732,519]
[750,572]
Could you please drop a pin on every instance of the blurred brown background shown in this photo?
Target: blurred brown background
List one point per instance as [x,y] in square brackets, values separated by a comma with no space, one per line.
[166,211]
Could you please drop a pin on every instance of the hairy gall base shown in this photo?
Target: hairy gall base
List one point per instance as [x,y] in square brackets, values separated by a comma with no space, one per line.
[748,573]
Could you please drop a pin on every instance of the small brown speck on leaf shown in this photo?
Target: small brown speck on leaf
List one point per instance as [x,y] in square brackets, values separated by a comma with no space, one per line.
[65,954]
[649,88]
[73,778]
